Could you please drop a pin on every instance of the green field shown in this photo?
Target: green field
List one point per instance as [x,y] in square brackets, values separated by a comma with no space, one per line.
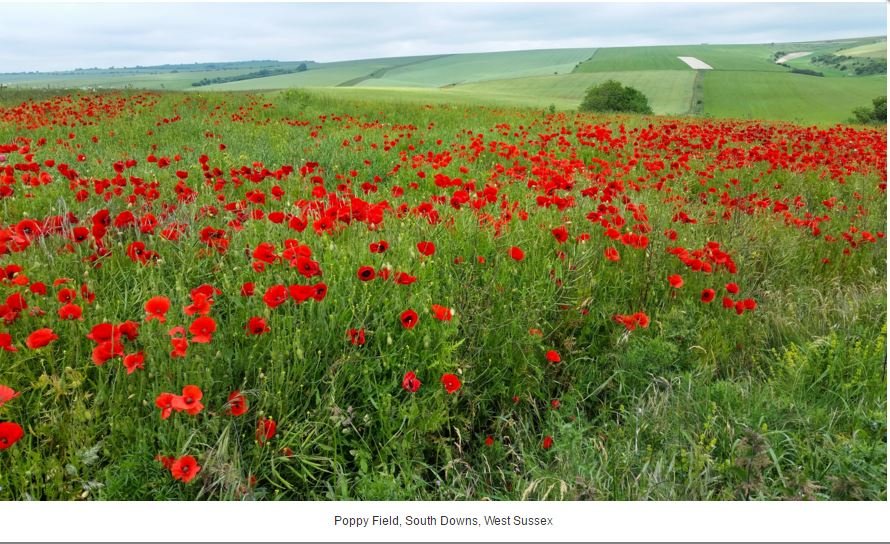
[876,50]
[719,57]
[745,81]
[789,97]
[465,68]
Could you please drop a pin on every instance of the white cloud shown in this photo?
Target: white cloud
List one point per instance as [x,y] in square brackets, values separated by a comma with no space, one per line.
[51,37]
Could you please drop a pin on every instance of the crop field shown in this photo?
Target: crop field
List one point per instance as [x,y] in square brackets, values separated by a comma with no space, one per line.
[791,97]
[320,296]
[874,50]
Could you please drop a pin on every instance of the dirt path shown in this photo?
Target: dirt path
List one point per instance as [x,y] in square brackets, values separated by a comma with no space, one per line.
[792,56]
[695,63]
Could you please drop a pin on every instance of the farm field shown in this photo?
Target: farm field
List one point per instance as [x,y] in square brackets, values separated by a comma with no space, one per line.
[317,296]
[791,97]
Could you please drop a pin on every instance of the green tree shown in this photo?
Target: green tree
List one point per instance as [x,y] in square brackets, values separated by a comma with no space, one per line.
[877,114]
[612,96]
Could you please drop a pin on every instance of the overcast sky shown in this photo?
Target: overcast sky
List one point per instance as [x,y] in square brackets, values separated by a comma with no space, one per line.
[66,36]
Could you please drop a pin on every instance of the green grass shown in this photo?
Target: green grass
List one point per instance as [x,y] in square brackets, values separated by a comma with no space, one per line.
[790,97]
[787,401]
[719,57]
[876,50]
[472,67]
[669,92]
[323,75]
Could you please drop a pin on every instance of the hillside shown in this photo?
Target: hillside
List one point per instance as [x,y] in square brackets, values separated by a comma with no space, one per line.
[807,82]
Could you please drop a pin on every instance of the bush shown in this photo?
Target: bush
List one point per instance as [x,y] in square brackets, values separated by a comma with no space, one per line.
[876,115]
[612,96]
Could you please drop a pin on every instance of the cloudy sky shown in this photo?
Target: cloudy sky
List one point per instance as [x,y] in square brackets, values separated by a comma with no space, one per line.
[65,36]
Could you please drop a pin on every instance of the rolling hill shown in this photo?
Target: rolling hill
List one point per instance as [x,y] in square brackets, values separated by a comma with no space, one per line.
[743,80]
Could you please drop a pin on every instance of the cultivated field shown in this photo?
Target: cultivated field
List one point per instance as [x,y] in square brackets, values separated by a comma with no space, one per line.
[319,296]
[541,78]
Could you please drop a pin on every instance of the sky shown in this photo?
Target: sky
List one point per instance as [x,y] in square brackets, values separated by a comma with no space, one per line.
[45,37]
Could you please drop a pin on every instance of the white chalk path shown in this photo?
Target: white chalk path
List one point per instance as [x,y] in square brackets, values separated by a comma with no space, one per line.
[792,56]
[696,64]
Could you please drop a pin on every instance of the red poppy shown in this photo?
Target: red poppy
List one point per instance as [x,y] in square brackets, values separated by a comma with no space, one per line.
[319,291]
[256,326]
[7,394]
[156,308]
[426,248]
[275,296]
[6,342]
[202,330]
[561,233]
[451,383]
[403,278]
[728,302]
[70,312]
[732,288]
[265,430]
[185,469]
[179,345]
[410,383]
[237,404]
[10,433]
[166,460]
[489,441]
[379,247]
[553,356]
[366,273]
[134,361]
[555,404]
[356,336]
[749,304]
[164,401]
[247,289]
[548,442]
[675,280]
[707,295]
[442,313]
[201,303]
[189,401]
[516,253]
[40,338]
[409,319]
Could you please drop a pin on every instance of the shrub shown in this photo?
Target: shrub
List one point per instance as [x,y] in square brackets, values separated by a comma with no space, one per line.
[876,115]
[612,96]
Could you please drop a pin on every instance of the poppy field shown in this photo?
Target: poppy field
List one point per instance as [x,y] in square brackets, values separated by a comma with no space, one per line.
[297,296]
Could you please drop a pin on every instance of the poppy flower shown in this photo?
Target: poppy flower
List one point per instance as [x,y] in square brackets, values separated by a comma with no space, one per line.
[202,330]
[70,312]
[451,383]
[201,303]
[489,441]
[265,430]
[10,433]
[166,460]
[548,442]
[256,326]
[410,383]
[553,356]
[237,404]
[561,233]
[40,338]
[185,469]
[179,345]
[426,248]
[409,319]
[728,302]
[442,313]
[403,278]
[107,350]
[516,253]
[247,289]
[189,401]
[366,273]
[749,304]
[707,295]
[379,247]
[7,394]
[156,308]
[675,280]
[164,401]
[356,336]
[6,342]
[134,361]
[732,288]
[319,291]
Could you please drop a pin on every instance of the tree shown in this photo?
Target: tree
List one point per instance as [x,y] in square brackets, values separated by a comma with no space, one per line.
[612,96]
[876,115]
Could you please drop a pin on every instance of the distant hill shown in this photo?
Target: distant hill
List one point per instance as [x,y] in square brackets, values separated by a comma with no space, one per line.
[813,82]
